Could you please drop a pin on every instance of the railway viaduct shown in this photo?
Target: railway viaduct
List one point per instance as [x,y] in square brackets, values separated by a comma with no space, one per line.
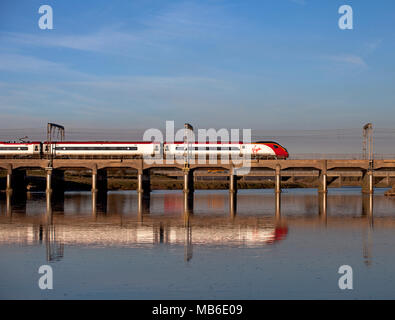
[369,171]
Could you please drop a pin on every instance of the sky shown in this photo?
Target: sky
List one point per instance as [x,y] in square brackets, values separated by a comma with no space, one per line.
[265,64]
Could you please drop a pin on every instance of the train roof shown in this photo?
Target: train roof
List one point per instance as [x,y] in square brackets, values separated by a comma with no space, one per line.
[221,142]
[206,142]
[266,142]
[19,143]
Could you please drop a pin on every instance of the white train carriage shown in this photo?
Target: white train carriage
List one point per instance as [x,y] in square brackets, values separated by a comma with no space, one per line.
[20,149]
[268,150]
[70,149]
[179,149]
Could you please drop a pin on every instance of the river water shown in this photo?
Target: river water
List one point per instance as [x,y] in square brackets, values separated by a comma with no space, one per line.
[114,248]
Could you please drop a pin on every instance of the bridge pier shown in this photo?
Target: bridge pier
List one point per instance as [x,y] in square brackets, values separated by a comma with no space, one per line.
[15,180]
[367,182]
[144,182]
[99,191]
[9,180]
[99,180]
[48,172]
[232,181]
[188,182]
[94,180]
[323,183]
[323,179]
[278,179]
[55,180]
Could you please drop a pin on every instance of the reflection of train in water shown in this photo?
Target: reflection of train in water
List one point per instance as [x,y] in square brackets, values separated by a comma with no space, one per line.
[124,149]
[150,234]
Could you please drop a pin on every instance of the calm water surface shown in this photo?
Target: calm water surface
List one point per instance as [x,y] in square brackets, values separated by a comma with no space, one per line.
[112,248]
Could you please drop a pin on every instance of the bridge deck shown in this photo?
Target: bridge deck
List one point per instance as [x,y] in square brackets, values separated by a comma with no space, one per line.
[140,164]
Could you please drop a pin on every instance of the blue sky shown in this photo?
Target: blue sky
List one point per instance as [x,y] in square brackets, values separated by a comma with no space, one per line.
[267,64]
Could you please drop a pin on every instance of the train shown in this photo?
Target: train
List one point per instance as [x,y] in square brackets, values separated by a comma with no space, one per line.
[140,149]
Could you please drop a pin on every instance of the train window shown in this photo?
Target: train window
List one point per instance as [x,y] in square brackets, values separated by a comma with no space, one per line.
[95,148]
[12,148]
[36,148]
[167,148]
[156,148]
[243,147]
[275,147]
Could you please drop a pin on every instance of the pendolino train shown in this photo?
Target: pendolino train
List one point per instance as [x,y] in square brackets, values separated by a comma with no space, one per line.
[133,149]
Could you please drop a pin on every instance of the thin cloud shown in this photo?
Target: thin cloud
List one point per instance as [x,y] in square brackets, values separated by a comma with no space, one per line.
[102,41]
[161,31]
[348,59]
[28,64]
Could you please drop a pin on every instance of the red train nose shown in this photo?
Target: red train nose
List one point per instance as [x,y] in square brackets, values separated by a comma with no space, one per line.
[281,152]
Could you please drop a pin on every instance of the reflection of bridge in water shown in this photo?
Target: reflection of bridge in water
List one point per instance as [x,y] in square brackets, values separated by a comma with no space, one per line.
[175,203]
[180,221]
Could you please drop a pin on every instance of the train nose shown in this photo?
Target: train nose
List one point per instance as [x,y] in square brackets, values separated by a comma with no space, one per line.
[283,153]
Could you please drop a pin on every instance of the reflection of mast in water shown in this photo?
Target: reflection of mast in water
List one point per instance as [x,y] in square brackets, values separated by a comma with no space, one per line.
[367,207]
[188,203]
[367,211]
[188,240]
[367,245]
[188,210]
[54,248]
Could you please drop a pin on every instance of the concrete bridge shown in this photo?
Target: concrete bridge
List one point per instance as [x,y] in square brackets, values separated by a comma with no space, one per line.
[370,172]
